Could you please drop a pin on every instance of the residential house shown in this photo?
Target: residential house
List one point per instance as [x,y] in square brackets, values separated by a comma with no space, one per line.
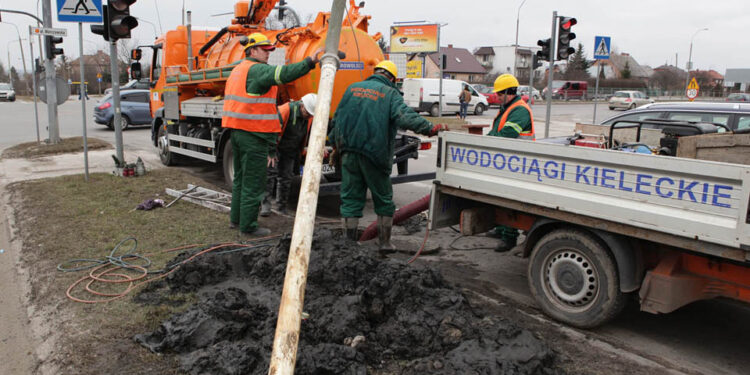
[460,64]
[737,79]
[617,64]
[516,60]
[97,64]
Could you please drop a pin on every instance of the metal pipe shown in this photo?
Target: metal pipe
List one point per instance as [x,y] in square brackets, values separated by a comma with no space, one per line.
[401,215]
[286,339]
[690,57]
[190,39]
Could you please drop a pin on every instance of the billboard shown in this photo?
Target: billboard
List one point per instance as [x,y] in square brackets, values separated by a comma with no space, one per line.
[414,38]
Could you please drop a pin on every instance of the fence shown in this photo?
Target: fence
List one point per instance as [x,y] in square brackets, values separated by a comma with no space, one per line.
[606,92]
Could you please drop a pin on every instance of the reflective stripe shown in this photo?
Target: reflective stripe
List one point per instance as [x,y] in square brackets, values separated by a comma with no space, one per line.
[527,136]
[277,75]
[514,126]
[247,116]
[250,100]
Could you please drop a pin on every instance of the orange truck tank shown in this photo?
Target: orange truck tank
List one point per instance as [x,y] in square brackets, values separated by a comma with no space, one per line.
[190,68]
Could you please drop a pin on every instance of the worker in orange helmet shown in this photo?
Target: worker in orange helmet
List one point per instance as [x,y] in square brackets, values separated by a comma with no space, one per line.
[250,111]
[365,126]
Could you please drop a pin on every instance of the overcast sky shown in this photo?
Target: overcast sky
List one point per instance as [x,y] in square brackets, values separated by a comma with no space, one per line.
[651,31]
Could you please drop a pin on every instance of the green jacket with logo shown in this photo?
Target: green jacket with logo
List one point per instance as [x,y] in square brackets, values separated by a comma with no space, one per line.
[519,118]
[368,117]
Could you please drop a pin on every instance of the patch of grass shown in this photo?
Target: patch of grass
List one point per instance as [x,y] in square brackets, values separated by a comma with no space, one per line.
[64,218]
[66,145]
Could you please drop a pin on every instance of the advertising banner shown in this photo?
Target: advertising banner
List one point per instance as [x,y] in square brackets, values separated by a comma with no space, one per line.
[414,38]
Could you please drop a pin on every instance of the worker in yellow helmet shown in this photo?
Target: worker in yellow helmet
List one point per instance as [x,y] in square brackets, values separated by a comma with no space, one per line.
[364,132]
[513,120]
[250,111]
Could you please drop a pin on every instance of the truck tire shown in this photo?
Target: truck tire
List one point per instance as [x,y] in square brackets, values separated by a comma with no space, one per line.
[167,158]
[574,278]
[479,109]
[228,165]
[435,110]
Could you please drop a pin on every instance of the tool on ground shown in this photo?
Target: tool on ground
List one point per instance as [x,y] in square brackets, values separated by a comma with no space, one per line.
[181,196]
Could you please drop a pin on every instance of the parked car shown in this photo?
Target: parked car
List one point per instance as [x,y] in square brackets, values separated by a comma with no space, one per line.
[524,92]
[738,98]
[131,85]
[733,115]
[7,92]
[628,100]
[134,105]
[492,98]
[423,95]
[568,90]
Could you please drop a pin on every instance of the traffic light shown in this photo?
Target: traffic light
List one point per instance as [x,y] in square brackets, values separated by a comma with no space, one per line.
[545,53]
[535,61]
[564,36]
[50,43]
[120,20]
[117,21]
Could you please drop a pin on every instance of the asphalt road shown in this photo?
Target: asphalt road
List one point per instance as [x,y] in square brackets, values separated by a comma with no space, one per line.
[708,337]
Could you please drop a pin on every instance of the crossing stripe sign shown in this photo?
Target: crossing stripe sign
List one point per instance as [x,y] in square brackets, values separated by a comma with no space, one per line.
[601,47]
[79,11]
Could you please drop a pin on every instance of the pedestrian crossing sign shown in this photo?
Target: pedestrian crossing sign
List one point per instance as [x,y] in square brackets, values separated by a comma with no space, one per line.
[79,11]
[601,47]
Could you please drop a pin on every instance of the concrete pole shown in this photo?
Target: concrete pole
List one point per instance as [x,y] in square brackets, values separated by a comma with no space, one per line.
[552,57]
[515,46]
[116,99]
[51,83]
[83,102]
[286,340]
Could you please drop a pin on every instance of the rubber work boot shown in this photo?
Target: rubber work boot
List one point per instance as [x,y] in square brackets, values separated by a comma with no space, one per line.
[282,209]
[385,224]
[350,226]
[258,232]
[505,245]
[265,207]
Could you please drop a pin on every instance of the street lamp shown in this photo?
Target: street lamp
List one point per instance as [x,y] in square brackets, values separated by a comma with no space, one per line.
[23,58]
[10,64]
[515,49]
[690,57]
[150,23]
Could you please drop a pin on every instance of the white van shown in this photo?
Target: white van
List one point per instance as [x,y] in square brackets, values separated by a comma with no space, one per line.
[422,95]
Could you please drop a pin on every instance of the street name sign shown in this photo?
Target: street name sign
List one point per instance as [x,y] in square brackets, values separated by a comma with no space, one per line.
[50,31]
[601,47]
[79,11]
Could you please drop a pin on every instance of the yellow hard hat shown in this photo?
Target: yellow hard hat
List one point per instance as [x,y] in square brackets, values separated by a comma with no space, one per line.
[504,82]
[259,40]
[388,66]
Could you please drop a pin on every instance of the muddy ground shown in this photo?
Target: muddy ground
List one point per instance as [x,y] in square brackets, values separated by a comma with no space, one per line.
[366,315]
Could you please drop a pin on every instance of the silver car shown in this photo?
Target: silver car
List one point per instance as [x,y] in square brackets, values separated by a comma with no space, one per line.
[7,92]
[628,100]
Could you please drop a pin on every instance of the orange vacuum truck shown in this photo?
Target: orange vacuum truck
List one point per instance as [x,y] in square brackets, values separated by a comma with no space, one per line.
[190,67]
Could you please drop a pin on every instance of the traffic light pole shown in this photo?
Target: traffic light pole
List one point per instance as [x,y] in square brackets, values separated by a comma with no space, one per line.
[116,121]
[36,94]
[552,56]
[83,102]
[51,85]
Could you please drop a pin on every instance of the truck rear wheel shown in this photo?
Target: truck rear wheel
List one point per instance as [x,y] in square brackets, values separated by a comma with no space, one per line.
[574,279]
[435,110]
[228,165]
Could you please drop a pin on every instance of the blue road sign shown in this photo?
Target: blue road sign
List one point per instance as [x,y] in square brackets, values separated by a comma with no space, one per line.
[601,47]
[79,11]
[352,65]
[99,79]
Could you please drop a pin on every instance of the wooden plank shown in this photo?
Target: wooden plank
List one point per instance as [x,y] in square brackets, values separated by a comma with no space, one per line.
[650,137]
[477,220]
[723,147]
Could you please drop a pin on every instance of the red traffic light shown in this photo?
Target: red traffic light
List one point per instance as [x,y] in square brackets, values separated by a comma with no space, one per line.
[567,23]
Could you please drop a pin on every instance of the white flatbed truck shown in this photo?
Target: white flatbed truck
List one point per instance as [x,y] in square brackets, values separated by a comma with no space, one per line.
[602,224]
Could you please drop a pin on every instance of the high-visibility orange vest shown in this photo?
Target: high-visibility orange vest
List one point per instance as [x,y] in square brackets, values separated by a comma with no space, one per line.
[285,111]
[528,135]
[252,113]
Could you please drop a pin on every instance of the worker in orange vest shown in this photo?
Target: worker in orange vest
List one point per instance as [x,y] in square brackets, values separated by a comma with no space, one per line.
[250,111]
[296,118]
[513,120]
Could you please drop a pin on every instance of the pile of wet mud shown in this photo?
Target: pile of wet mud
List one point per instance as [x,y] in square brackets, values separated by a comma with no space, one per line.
[364,315]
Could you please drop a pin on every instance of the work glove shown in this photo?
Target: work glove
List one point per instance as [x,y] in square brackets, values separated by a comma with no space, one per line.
[333,158]
[438,128]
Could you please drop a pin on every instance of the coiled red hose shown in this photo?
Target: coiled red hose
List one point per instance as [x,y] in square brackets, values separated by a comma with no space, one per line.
[401,214]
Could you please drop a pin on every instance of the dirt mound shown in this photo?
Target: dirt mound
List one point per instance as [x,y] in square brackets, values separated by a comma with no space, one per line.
[366,315]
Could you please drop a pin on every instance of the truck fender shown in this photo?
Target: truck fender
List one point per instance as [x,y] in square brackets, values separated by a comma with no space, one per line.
[629,263]
[156,123]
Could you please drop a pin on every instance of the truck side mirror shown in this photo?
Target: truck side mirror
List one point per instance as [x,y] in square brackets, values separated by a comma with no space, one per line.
[136,54]
[135,71]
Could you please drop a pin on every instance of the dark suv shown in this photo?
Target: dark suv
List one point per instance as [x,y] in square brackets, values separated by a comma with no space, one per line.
[735,116]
